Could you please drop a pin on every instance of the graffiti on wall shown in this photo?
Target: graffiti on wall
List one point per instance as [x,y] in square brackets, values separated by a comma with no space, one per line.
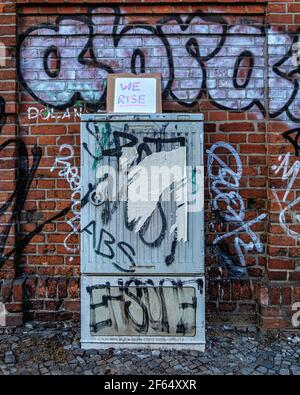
[14,205]
[71,174]
[199,56]
[141,307]
[224,183]
[48,113]
[196,54]
[292,136]
[289,217]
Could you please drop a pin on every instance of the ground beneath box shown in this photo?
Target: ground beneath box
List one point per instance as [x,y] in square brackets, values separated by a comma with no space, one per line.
[55,349]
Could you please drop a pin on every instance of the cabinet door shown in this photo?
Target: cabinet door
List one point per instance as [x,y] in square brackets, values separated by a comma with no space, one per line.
[160,311]
[142,197]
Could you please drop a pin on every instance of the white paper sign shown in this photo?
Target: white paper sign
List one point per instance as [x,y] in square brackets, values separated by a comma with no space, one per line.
[135,95]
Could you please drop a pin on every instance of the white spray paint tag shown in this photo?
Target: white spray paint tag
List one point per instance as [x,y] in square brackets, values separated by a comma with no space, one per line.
[153,178]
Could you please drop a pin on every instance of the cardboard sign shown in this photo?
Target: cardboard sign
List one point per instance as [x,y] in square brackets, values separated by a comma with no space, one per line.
[130,93]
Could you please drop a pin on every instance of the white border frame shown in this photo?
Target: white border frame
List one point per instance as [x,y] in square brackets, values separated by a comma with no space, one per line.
[88,341]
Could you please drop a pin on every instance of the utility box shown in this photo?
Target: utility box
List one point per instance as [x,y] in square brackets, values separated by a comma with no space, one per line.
[142,231]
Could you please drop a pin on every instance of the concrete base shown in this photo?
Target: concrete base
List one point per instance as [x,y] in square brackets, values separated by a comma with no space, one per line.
[143,346]
[9,319]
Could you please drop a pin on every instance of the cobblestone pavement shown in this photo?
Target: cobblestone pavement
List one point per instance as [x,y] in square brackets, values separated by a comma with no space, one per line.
[55,349]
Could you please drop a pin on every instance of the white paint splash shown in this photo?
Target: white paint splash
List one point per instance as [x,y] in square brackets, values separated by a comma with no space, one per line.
[151,180]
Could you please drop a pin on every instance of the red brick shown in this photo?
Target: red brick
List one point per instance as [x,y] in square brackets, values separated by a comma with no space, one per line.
[294,7]
[286,296]
[14,319]
[274,296]
[213,291]
[51,129]
[237,127]
[30,288]
[52,288]
[274,323]
[73,288]
[46,316]
[297,293]
[280,19]
[6,291]
[235,290]
[277,275]
[297,18]
[281,263]
[246,292]
[64,315]
[276,8]
[71,305]
[255,272]
[62,288]
[52,305]
[225,306]
[14,307]
[294,276]
[18,285]
[269,312]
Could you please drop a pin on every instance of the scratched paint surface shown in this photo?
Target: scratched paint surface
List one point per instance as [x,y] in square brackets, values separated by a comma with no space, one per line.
[154,311]
[143,309]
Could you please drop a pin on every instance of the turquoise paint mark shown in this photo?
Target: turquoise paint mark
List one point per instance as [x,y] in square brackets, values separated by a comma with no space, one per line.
[195,186]
[103,143]
[79,103]
[46,112]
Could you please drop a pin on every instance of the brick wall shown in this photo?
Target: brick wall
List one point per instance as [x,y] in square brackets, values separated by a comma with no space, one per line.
[283,273]
[8,133]
[230,60]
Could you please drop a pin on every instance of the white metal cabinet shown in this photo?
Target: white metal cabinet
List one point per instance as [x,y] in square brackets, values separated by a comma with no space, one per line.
[114,252]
